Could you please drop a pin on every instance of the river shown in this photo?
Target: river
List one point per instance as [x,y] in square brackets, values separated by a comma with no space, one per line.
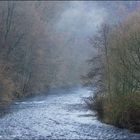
[60,115]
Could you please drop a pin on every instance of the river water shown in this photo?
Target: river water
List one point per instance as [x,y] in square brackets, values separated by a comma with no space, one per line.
[60,115]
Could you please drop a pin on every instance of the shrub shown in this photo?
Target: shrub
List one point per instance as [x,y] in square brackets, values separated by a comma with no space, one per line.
[122,111]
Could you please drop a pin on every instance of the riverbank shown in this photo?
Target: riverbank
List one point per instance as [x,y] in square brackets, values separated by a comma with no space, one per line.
[122,111]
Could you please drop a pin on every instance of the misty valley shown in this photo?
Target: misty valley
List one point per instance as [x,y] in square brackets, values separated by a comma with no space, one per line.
[69,70]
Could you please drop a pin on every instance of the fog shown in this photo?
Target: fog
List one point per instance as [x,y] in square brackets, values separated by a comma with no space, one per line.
[50,41]
[80,18]
[73,26]
[51,52]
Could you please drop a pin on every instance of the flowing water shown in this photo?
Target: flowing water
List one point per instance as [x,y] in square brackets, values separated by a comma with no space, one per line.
[60,115]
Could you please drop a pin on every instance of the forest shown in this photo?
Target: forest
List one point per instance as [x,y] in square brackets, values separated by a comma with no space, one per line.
[33,51]
[74,64]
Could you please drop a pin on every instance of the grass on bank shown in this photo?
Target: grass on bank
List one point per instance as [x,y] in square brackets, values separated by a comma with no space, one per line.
[120,110]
